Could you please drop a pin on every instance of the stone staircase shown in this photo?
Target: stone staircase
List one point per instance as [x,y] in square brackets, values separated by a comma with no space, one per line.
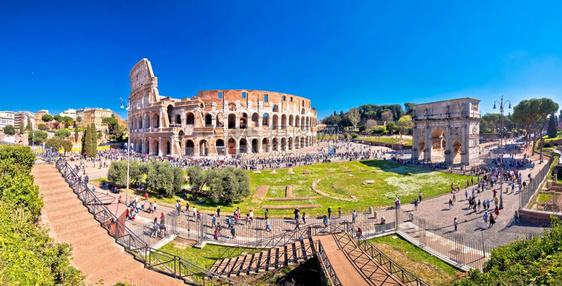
[266,260]
[93,249]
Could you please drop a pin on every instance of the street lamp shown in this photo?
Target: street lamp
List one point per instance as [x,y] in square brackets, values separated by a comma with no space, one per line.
[128,107]
[501,103]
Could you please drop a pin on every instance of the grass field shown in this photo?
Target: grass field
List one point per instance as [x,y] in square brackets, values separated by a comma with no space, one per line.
[340,180]
[420,263]
[391,140]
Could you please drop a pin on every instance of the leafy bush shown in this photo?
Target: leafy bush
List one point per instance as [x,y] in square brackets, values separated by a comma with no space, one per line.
[196,177]
[54,142]
[39,136]
[354,135]
[9,130]
[160,176]
[67,145]
[379,130]
[28,256]
[536,261]
[62,133]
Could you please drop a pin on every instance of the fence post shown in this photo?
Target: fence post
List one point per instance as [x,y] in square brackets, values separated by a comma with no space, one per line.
[397,222]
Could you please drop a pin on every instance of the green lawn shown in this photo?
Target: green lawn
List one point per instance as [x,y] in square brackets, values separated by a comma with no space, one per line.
[422,264]
[339,180]
[391,140]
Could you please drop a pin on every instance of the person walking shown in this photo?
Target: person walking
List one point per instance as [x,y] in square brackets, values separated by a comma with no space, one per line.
[304,218]
[339,212]
[329,212]
[187,208]
[416,204]
[297,224]
[420,196]
[218,211]
[456,224]
[353,216]
[267,225]
[325,221]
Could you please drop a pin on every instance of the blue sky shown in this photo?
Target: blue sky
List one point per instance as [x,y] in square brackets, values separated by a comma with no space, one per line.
[340,54]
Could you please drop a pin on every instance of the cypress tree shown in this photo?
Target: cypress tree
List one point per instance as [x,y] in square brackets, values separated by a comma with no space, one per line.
[552,129]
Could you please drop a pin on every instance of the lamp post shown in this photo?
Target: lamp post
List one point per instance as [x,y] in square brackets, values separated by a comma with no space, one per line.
[128,106]
[502,104]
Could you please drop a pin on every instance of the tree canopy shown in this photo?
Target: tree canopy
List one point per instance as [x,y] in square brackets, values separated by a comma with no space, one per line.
[9,130]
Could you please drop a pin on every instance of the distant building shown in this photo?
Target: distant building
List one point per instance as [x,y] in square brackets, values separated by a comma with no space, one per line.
[70,113]
[6,118]
[80,113]
[28,119]
[38,116]
[96,115]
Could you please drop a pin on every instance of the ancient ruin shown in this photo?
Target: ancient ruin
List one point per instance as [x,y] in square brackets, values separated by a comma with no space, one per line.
[447,131]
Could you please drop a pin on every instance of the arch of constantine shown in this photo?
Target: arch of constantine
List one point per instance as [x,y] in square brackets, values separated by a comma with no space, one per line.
[215,122]
[447,131]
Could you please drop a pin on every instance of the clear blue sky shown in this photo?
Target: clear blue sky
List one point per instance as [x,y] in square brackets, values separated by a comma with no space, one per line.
[341,54]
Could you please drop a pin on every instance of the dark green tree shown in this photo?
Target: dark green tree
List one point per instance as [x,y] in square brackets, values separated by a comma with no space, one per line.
[161,179]
[227,185]
[111,123]
[9,130]
[47,118]
[552,126]
[67,145]
[89,141]
[39,137]
[62,133]
[179,179]
[54,142]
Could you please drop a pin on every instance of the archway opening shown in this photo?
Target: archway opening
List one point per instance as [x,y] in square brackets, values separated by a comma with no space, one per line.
[438,146]
[283,144]
[265,145]
[156,121]
[243,145]
[231,121]
[189,148]
[231,146]
[208,120]
[255,119]
[190,119]
[168,148]
[243,121]
[265,120]
[219,144]
[457,146]
[178,119]
[170,110]
[421,149]
[275,144]
[255,146]
[284,121]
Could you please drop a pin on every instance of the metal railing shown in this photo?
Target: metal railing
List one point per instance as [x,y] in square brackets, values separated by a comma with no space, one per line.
[531,189]
[382,259]
[327,267]
[48,153]
[153,259]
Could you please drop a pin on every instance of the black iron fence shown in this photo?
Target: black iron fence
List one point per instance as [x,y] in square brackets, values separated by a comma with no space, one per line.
[327,267]
[532,187]
[152,258]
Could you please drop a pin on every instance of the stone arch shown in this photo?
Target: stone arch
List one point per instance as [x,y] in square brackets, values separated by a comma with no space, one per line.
[265,120]
[275,144]
[265,145]
[203,148]
[438,144]
[297,121]
[283,144]
[275,121]
[255,146]
[302,142]
[170,111]
[457,148]
[275,108]
[219,121]
[146,121]
[231,107]
[178,119]
[243,120]
[284,121]
[168,150]
[231,146]
[219,144]
[255,119]
[243,146]
[421,148]
[208,120]
[302,122]
[155,147]
[146,147]
[290,143]
[190,118]
[181,137]
[231,121]
[291,121]
[155,121]
[189,148]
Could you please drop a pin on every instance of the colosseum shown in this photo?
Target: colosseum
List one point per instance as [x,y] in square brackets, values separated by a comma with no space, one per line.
[215,122]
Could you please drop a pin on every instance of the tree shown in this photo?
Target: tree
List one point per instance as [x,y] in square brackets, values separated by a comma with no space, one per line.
[41,126]
[391,127]
[67,145]
[29,256]
[161,179]
[545,107]
[79,119]
[54,142]
[370,124]
[387,116]
[409,108]
[354,117]
[111,123]
[47,118]
[552,126]
[62,133]
[39,137]
[523,115]
[179,179]
[9,130]
[68,121]
[228,185]
[405,123]
[196,177]
[89,142]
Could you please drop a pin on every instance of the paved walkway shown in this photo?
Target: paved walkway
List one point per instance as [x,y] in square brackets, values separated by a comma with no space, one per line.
[437,212]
